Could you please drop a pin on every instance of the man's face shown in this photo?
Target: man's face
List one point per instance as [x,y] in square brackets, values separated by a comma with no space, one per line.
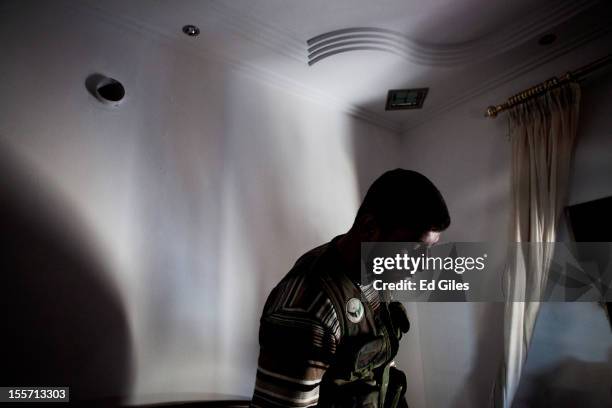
[429,238]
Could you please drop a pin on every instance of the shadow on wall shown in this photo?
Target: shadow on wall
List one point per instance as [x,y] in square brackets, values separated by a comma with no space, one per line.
[373,154]
[63,323]
[585,384]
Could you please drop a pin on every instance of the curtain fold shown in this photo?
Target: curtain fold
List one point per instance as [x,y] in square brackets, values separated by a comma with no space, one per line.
[542,135]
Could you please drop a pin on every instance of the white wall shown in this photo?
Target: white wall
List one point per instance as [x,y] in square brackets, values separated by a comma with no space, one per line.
[291,182]
[202,189]
[197,194]
[468,157]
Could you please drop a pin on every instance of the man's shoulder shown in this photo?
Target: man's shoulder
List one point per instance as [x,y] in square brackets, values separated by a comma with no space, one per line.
[302,298]
[311,264]
[302,285]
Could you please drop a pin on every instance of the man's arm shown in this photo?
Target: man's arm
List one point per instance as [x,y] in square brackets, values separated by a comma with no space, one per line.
[298,340]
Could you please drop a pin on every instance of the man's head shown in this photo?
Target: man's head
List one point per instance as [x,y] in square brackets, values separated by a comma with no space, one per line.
[402,205]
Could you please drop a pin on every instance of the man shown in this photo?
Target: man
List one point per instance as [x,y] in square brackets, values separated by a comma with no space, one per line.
[326,339]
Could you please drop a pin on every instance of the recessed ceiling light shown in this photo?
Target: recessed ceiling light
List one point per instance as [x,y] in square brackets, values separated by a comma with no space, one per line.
[191,30]
[547,39]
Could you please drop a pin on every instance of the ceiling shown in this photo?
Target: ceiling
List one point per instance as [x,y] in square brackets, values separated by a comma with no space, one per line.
[446,45]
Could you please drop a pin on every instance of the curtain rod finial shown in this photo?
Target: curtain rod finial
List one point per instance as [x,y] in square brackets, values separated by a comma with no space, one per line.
[491,111]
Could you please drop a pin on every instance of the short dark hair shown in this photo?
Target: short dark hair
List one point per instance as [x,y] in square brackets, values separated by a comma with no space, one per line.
[405,198]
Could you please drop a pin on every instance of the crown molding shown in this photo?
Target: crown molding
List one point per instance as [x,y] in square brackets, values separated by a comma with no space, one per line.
[538,22]
[508,76]
[294,49]
[435,55]
[215,54]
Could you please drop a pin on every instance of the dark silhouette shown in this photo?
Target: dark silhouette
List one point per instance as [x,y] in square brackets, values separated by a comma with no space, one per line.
[63,323]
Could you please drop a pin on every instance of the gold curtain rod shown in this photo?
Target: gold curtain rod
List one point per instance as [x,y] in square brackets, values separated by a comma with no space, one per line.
[551,83]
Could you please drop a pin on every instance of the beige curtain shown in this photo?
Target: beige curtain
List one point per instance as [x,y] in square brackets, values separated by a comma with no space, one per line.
[542,133]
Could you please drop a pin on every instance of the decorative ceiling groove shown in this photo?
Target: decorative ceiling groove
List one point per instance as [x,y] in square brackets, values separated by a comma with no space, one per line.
[353,39]
[341,44]
[534,25]
[267,37]
[539,21]
[508,76]
[444,55]
[380,39]
[288,44]
[312,61]
[372,36]
[363,31]
[215,54]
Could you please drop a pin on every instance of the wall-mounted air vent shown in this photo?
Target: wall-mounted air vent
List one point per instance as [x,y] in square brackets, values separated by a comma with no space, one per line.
[406,98]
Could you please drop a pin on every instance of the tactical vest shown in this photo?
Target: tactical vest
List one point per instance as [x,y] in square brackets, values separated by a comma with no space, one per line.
[363,374]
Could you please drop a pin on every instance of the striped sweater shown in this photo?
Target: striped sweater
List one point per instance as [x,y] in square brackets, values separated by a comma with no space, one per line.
[298,336]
